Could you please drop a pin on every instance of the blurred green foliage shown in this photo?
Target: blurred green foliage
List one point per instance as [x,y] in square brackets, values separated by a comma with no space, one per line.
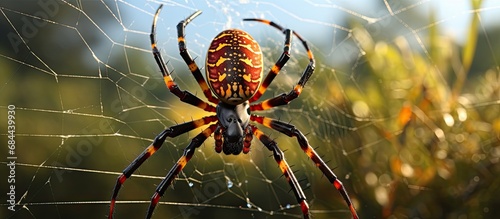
[413,131]
[441,157]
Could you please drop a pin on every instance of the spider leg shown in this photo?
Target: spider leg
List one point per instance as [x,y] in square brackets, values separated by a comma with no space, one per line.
[151,149]
[184,96]
[285,56]
[177,168]
[284,98]
[291,131]
[285,168]
[189,61]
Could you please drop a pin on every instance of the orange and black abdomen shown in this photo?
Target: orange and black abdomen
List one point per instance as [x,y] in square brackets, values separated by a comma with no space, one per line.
[234,66]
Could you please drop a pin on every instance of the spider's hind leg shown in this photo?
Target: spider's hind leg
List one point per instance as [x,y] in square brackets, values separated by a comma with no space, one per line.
[193,67]
[284,98]
[183,95]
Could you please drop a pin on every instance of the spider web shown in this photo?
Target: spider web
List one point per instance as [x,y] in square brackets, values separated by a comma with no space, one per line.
[404,104]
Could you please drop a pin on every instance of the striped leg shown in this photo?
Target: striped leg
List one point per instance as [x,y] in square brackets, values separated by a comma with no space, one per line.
[189,61]
[285,56]
[291,131]
[155,146]
[285,168]
[177,168]
[283,98]
[184,96]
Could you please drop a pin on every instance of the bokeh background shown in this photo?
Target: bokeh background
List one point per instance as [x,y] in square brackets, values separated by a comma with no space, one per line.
[404,104]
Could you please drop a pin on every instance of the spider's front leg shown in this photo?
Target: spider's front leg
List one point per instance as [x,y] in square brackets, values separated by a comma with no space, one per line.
[291,131]
[155,146]
[177,168]
[285,169]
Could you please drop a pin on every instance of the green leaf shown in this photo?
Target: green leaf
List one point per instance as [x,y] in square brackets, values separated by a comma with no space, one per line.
[470,45]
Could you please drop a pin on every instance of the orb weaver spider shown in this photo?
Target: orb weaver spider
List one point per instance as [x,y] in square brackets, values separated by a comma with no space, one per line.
[234,74]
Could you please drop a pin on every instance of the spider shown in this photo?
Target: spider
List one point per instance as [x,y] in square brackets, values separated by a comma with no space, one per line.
[234,73]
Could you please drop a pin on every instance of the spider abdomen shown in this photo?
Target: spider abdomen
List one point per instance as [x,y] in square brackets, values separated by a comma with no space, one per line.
[234,66]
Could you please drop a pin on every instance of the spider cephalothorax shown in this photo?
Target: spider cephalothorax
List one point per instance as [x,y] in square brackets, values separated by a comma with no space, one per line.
[233,132]
[234,74]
